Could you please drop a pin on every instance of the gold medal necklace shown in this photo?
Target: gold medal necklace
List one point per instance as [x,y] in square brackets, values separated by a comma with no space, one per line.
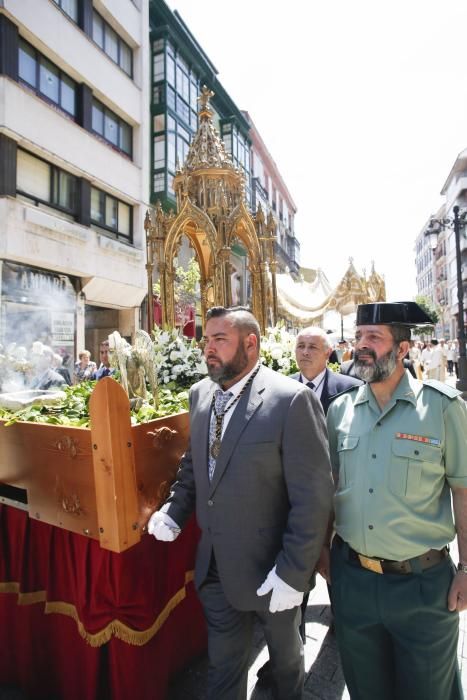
[219,417]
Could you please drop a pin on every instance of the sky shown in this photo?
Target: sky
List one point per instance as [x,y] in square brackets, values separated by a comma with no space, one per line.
[363,106]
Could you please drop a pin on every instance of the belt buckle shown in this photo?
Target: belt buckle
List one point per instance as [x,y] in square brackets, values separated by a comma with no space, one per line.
[370,564]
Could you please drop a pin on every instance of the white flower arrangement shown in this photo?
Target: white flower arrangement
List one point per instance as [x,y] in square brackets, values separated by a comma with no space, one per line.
[278,350]
[180,361]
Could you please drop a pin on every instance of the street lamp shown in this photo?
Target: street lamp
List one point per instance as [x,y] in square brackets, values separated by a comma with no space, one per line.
[435,227]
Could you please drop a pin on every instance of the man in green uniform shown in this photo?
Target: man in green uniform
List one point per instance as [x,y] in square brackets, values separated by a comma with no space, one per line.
[399,452]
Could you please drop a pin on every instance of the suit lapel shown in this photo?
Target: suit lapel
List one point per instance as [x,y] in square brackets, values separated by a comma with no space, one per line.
[243,413]
[327,388]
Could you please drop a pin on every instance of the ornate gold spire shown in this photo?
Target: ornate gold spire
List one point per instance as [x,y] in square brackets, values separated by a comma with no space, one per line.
[213,214]
[206,150]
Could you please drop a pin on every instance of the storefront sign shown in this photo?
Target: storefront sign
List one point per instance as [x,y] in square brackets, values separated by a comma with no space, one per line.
[30,285]
[62,327]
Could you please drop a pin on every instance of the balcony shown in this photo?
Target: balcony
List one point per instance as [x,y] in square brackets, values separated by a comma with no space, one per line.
[285,260]
[259,196]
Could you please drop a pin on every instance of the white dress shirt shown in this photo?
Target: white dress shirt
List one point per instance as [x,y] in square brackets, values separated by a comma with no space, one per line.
[234,390]
[318,381]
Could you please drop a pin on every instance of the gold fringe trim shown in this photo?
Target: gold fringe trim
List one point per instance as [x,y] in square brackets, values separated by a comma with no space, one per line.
[23,598]
[113,629]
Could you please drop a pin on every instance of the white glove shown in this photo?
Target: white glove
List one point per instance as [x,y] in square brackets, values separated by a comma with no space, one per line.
[283,596]
[163,527]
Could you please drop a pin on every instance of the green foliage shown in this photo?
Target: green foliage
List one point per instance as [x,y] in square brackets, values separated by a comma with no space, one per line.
[186,284]
[74,410]
[433,312]
[170,402]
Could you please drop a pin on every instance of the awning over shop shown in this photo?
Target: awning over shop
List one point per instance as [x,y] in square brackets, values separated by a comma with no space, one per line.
[105,292]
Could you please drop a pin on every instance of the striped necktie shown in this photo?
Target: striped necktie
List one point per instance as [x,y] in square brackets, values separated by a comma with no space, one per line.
[220,402]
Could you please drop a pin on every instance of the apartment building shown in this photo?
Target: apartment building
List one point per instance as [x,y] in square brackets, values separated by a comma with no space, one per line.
[268,188]
[455,192]
[74,170]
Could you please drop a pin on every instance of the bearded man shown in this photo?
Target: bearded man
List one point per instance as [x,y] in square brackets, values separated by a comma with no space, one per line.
[398,449]
[257,472]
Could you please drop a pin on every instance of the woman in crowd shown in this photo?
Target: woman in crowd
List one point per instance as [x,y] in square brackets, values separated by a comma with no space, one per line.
[84,368]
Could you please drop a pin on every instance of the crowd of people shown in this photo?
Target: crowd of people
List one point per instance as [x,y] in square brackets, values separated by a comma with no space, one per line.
[43,369]
[435,359]
[432,359]
[364,500]
[357,475]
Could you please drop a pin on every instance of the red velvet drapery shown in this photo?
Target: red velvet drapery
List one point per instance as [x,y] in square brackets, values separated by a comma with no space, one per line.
[81,623]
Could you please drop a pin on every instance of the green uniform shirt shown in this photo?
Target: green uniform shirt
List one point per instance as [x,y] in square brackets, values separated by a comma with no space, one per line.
[394,467]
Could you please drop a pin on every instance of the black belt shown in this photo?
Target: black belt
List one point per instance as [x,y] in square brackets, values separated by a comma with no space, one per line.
[388,566]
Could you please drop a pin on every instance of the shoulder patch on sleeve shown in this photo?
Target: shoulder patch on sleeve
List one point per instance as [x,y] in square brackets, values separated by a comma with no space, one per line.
[449,391]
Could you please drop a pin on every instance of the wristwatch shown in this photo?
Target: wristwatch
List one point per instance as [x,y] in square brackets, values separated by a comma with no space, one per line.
[462,567]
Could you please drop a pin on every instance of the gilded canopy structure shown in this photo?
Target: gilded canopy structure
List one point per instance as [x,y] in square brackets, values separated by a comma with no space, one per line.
[212,213]
[305,302]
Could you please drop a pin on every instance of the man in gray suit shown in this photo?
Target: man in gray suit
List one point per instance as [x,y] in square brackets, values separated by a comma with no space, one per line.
[257,472]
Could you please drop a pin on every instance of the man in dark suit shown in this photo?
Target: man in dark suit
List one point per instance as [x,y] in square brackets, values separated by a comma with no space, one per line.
[312,352]
[257,472]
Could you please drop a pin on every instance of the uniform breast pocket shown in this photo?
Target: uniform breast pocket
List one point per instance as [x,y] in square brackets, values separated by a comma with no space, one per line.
[413,467]
[347,451]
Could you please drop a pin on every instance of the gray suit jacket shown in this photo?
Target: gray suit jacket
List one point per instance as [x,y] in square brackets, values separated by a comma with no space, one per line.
[270,497]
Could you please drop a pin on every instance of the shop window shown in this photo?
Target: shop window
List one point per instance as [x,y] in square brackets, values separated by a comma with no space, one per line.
[44,183]
[46,79]
[113,129]
[111,214]
[112,44]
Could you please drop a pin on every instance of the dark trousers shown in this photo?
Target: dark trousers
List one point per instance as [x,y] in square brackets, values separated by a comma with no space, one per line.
[230,634]
[396,636]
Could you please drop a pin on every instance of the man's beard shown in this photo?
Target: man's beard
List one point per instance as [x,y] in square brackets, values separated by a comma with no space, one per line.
[223,372]
[380,369]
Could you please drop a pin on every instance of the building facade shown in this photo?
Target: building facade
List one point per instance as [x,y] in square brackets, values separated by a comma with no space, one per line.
[268,188]
[455,193]
[179,69]
[74,170]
